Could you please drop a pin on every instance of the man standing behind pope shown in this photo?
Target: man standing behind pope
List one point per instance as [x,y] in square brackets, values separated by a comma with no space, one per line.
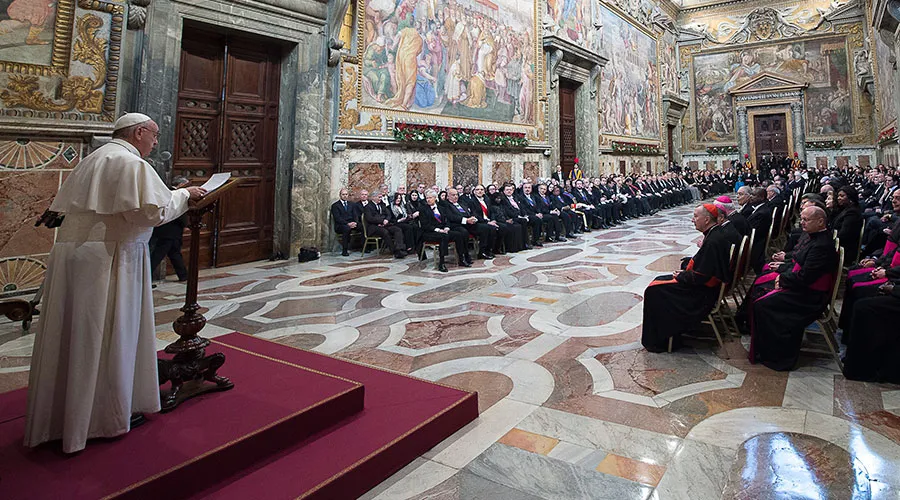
[93,370]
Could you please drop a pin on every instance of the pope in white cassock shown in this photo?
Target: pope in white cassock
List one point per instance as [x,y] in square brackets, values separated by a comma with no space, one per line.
[93,370]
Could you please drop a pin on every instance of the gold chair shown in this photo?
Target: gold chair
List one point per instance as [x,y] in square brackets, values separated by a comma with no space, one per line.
[369,240]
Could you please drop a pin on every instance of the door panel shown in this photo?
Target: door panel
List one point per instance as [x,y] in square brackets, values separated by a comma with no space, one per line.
[566,126]
[227,122]
[771,136]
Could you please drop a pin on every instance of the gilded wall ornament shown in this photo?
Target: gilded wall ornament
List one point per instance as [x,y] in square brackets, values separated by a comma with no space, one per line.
[765,24]
[78,93]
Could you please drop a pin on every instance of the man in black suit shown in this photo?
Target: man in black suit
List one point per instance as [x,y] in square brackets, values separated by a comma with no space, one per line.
[513,213]
[378,223]
[552,216]
[435,229]
[529,202]
[167,240]
[759,215]
[345,218]
[460,217]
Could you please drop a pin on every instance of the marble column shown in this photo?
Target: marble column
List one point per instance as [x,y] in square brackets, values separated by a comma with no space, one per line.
[743,130]
[799,128]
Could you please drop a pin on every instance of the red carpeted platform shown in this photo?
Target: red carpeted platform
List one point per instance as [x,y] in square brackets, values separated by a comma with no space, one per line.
[263,439]
[207,439]
[403,418]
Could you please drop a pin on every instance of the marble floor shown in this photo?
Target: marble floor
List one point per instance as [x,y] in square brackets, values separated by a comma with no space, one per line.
[571,405]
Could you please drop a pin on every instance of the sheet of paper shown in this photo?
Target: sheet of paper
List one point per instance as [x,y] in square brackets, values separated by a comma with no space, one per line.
[216,181]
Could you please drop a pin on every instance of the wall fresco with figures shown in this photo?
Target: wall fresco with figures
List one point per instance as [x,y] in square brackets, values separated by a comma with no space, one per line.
[886,85]
[630,80]
[822,63]
[462,58]
[668,64]
[572,20]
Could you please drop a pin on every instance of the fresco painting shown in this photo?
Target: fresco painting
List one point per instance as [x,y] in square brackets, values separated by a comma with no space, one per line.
[886,83]
[629,81]
[26,30]
[668,65]
[571,20]
[822,63]
[456,58]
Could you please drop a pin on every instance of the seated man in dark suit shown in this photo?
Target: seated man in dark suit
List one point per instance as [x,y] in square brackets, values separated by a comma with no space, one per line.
[513,213]
[378,223]
[435,229]
[529,202]
[461,218]
[759,215]
[344,216]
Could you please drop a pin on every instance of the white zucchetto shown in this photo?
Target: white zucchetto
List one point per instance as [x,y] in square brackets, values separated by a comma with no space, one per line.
[130,120]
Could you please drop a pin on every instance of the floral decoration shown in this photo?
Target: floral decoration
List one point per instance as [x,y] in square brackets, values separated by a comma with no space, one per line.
[722,150]
[887,135]
[832,144]
[633,148]
[437,135]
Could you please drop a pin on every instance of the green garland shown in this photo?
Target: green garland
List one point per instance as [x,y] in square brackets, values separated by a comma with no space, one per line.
[832,144]
[633,148]
[722,150]
[430,134]
[889,135]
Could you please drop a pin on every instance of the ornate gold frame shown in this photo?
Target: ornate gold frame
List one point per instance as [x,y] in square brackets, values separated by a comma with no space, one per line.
[853,39]
[351,88]
[81,94]
[59,51]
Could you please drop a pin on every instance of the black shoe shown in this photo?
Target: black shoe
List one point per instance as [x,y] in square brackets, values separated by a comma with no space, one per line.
[482,255]
[490,255]
[153,285]
[464,264]
[442,268]
[137,420]
[497,253]
[571,236]
[560,239]
[528,247]
[345,254]
[399,254]
[537,244]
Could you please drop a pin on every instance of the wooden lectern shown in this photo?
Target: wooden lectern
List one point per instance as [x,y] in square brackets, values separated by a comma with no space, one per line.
[192,372]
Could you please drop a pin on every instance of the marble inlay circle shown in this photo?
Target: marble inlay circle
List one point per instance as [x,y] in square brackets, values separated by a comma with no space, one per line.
[796,466]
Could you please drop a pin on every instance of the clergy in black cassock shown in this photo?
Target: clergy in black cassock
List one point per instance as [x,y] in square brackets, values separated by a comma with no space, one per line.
[784,302]
[677,303]
[874,344]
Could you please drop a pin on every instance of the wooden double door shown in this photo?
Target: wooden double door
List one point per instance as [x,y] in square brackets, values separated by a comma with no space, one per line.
[567,122]
[227,121]
[771,136]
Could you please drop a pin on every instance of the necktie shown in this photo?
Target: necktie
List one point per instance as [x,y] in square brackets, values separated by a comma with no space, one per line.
[529,200]
[513,203]
[345,206]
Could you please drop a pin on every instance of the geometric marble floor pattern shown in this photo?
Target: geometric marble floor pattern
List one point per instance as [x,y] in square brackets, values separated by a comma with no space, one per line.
[571,405]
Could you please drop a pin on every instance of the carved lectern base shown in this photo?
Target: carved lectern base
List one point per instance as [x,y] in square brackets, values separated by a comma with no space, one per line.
[192,374]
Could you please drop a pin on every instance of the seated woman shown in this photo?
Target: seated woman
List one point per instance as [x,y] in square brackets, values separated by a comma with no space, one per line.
[848,221]
[406,221]
[874,344]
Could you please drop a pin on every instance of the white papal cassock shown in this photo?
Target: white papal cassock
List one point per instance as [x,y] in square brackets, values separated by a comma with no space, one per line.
[94,361]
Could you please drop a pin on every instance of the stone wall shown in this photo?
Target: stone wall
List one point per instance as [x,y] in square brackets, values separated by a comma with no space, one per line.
[59,89]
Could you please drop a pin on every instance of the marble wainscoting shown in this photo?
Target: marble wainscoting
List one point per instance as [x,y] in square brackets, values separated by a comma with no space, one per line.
[31,172]
[404,167]
[571,405]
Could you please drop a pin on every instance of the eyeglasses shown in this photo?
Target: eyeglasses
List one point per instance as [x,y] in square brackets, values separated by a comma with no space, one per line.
[155,133]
